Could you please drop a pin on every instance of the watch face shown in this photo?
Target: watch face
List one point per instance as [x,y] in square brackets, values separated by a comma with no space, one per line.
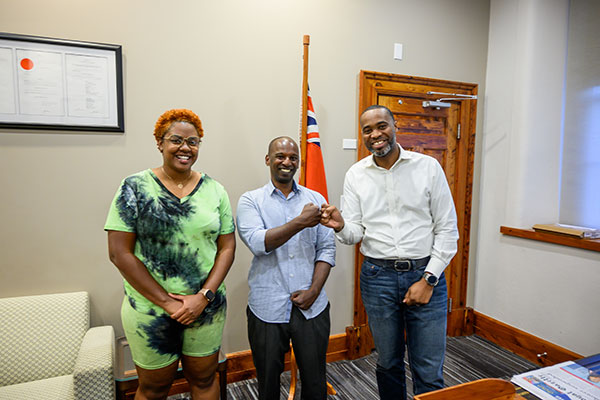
[431,279]
[210,296]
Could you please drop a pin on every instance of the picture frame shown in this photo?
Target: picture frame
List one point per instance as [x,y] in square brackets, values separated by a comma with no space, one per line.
[59,84]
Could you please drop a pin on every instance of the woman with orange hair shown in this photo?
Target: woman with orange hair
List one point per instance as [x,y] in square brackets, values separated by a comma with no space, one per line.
[171,235]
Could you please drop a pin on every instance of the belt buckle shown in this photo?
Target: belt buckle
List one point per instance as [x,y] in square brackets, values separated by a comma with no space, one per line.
[402,265]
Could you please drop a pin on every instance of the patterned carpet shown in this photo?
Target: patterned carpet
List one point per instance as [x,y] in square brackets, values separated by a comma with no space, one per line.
[467,358]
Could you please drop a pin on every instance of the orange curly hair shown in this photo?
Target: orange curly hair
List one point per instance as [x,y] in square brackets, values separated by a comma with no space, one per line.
[165,121]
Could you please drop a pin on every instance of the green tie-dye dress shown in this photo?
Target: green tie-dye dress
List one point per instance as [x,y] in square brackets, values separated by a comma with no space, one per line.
[176,239]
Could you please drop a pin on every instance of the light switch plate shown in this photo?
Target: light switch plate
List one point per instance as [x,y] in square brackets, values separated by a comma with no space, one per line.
[349,144]
[398,51]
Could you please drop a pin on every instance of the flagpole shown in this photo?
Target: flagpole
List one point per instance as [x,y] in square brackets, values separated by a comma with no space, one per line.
[303,125]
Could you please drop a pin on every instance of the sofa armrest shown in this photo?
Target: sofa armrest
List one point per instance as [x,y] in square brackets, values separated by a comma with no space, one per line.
[93,375]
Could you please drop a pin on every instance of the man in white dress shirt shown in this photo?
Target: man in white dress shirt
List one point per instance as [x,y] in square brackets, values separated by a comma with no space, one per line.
[399,204]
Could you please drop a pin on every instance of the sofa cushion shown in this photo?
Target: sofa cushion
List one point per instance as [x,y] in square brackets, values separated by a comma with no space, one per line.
[58,388]
[41,335]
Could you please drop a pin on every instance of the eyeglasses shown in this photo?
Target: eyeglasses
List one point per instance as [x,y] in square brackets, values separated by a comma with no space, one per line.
[192,141]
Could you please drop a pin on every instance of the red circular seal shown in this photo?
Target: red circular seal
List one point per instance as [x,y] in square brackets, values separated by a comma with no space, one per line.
[27,64]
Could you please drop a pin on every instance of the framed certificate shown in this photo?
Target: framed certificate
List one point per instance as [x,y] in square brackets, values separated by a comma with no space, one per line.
[60,84]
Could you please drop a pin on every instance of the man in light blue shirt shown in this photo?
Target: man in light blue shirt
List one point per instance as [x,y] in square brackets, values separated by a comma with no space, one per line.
[293,254]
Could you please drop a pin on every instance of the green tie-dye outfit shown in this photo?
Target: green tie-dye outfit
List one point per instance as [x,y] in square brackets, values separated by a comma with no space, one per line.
[176,239]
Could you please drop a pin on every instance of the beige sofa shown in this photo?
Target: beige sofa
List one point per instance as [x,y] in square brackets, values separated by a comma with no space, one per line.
[48,350]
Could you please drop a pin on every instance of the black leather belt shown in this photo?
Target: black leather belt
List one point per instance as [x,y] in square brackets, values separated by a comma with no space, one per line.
[400,265]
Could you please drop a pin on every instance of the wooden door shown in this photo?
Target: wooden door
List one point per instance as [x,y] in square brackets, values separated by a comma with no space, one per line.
[447,134]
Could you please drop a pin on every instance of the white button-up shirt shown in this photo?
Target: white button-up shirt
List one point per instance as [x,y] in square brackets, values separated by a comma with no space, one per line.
[404,212]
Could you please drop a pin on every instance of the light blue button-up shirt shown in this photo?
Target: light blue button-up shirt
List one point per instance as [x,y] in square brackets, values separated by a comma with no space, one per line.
[275,275]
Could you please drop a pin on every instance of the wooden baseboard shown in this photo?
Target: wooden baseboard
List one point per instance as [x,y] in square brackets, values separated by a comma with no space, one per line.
[241,367]
[348,345]
[524,344]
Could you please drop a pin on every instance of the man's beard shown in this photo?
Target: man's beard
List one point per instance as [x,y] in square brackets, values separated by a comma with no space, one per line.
[383,152]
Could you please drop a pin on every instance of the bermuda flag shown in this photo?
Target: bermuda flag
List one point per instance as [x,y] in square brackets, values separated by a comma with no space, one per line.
[315,170]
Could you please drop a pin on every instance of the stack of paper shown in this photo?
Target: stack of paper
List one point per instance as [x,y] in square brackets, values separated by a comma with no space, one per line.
[570,230]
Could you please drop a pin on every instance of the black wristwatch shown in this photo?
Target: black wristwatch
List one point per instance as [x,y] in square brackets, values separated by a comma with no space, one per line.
[210,296]
[431,279]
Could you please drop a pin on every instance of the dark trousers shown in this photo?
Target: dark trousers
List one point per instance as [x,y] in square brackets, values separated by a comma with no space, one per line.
[270,342]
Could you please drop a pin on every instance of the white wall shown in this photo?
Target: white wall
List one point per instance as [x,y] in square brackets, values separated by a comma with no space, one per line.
[544,289]
[238,65]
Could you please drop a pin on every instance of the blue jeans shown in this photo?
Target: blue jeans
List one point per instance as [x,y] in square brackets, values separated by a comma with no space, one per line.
[383,290]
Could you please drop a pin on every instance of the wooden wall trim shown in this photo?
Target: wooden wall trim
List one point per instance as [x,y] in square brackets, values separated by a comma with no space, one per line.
[240,366]
[564,240]
[524,344]
[418,80]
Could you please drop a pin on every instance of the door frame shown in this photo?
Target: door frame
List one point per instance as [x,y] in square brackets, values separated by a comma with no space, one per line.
[373,84]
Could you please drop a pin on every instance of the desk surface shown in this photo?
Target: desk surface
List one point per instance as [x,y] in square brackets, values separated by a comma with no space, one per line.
[482,389]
